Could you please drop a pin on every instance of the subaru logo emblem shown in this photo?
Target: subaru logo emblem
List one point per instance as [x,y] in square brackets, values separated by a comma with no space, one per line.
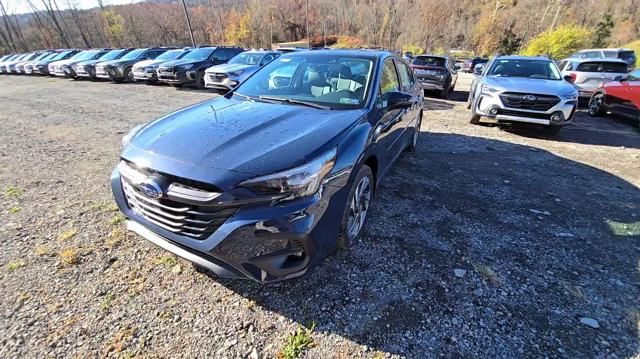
[150,188]
[529,98]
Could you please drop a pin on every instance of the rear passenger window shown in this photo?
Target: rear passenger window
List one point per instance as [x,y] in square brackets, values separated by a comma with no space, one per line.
[598,66]
[388,81]
[406,78]
[562,65]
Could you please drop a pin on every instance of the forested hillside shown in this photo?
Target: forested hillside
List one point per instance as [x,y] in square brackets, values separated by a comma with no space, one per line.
[485,26]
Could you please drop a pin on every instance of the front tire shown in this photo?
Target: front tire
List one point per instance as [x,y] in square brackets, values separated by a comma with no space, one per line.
[200,80]
[596,105]
[356,209]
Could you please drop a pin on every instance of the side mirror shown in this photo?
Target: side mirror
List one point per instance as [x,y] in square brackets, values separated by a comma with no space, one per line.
[477,70]
[619,78]
[457,67]
[569,78]
[399,100]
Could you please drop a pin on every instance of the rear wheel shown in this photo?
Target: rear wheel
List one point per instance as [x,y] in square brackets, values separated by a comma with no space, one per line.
[596,105]
[128,75]
[416,133]
[357,208]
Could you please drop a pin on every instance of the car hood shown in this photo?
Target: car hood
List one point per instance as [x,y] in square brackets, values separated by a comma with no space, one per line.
[246,138]
[149,63]
[227,68]
[174,63]
[117,62]
[88,62]
[528,85]
[60,62]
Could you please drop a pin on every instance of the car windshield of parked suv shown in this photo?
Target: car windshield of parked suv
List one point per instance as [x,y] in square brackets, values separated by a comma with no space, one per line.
[42,56]
[429,61]
[84,55]
[602,66]
[325,80]
[534,69]
[61,55]
[199,54]
[170,55]
[633,76]
[111,55]
[133,54]
[247,58]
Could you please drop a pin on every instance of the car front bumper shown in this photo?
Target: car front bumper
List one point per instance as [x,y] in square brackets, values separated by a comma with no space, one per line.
[262,242]
[487,103]
[149,75]
[220,83]
[177,78]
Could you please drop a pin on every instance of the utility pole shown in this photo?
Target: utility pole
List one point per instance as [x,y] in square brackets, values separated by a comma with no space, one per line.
[186,14]
[306,20]
[324,35]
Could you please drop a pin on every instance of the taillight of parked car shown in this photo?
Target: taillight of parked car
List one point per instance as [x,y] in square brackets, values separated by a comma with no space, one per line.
[573,77]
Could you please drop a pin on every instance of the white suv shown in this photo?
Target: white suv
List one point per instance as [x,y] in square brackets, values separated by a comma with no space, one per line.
[587,74]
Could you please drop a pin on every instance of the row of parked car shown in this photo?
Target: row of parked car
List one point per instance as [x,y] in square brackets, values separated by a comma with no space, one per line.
[537,90]
[217,67]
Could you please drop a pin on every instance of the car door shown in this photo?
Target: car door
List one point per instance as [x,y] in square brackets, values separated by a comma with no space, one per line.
[389,128]
[630,95]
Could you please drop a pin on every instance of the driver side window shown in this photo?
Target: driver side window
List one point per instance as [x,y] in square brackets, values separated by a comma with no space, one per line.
[388,82]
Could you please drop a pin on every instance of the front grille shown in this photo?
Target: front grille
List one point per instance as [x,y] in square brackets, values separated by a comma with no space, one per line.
[519,101]
[217,77]
[195,221]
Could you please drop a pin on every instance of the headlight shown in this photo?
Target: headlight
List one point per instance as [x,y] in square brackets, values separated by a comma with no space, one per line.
[236,73]
[129,136]
[294,183]
[486,89]
[148,69]
[184,67]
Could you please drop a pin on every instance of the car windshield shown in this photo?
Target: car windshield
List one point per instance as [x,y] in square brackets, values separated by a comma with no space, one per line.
[626,55]
[42,56]
[247,58]
[316,80]
[602,66]
[429,61]
[84,55]
[199,54]
[61,55]
[634,76]
[534,69]
[170,55]
[111,55]
[133,54]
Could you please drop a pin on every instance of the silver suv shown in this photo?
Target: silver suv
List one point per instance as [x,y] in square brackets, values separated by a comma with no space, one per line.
[522,89]
[588,74]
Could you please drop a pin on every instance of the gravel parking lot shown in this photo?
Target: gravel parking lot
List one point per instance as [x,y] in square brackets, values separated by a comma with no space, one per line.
[483,243]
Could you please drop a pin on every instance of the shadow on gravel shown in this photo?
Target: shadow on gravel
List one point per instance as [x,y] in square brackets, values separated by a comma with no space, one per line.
[601,131]
[532,230]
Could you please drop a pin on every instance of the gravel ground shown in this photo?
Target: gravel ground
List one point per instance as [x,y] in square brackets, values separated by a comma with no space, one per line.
[484,243]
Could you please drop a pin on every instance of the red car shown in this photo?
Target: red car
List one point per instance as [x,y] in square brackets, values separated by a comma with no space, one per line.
[620,96]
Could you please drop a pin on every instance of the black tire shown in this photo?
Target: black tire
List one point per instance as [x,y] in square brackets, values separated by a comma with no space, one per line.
[347,238]
[128,75]
[200,80]
[444,94]
[414,137]
[551,130]
[596,105]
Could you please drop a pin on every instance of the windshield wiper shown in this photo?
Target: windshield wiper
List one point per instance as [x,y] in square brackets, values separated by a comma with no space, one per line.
[297,102]
[245,96]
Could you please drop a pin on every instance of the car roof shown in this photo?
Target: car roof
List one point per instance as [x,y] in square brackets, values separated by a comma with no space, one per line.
[519,57]
[606,59]
[368,54]
[607,49]
[432,55]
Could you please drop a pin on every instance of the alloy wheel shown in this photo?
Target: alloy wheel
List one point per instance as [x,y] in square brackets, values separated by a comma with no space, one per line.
[358,207]
[595,105]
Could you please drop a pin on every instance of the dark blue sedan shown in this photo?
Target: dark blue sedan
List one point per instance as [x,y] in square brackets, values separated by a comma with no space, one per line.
[267,180]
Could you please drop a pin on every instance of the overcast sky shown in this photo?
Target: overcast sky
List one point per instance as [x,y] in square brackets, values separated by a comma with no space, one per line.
[21,6]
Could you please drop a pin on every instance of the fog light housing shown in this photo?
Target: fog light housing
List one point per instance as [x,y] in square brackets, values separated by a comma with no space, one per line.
[557,117]
[493,111]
